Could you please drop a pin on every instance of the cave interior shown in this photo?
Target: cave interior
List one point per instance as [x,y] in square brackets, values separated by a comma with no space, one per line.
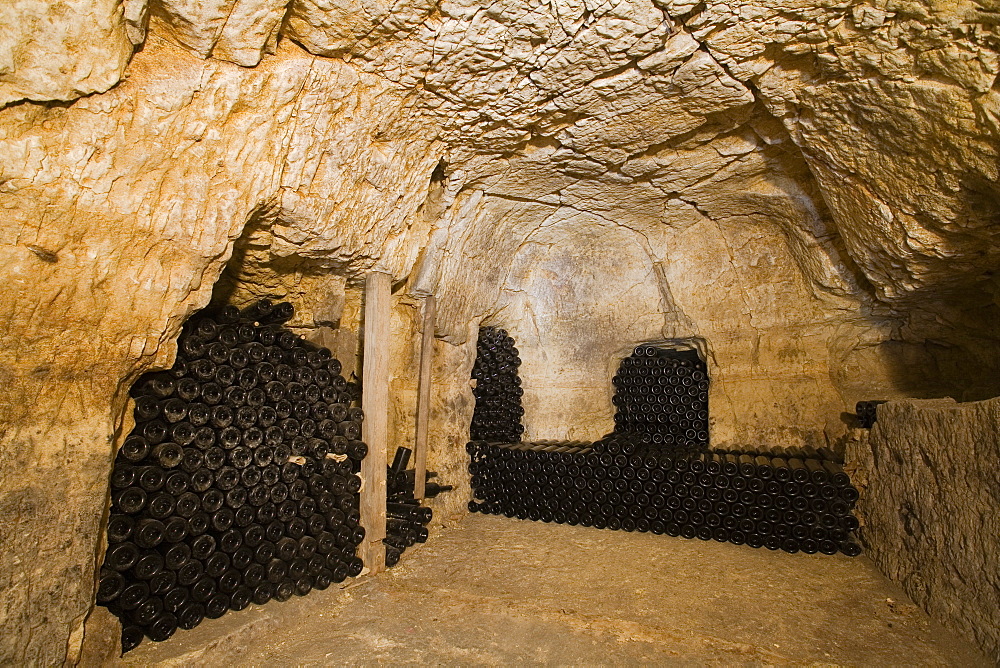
[803,196]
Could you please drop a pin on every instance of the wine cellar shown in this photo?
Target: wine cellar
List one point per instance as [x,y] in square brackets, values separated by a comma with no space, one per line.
[239,482]
[605,332]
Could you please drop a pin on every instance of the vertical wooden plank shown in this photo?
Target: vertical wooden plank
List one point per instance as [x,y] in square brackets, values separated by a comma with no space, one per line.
[424,396]
[375,428]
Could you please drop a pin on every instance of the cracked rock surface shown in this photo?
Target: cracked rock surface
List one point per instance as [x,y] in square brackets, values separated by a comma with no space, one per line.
[804,191]
[930,492]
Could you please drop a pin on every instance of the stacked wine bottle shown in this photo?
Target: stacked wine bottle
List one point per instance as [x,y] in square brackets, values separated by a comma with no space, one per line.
[661,396]
[497,416]
[238,483]
[406,519]
[793,501]
[656,474]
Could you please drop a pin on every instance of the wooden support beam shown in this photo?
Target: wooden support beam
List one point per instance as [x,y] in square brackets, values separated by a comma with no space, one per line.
[375,428]
[424,396]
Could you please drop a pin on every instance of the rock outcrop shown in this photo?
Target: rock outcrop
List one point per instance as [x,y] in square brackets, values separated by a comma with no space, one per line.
[931,492]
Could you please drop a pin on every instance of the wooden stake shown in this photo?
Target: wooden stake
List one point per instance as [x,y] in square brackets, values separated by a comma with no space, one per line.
[424,397]
[375,428]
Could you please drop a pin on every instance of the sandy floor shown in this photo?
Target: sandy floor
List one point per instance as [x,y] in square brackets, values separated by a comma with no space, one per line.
[506,592]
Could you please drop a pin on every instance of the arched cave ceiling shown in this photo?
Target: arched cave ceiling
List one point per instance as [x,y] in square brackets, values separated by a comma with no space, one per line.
[436,139]
[889,104]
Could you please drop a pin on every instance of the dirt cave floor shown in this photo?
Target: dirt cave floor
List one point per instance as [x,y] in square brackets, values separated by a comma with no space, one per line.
[497,591]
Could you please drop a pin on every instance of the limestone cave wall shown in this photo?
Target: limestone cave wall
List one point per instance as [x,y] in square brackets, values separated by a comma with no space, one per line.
[805,191]
[929,487]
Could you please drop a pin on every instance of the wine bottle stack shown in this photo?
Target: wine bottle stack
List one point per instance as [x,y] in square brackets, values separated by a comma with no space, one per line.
[406,519]
[661,396]
[777,502]
[497,416]
[865,411]
[239,482]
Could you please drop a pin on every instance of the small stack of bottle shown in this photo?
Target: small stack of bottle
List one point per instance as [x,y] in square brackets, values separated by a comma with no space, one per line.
[238,483]
[401,480]
[662,394]
[406,520]
[866,412]
[497,416]
[793,501]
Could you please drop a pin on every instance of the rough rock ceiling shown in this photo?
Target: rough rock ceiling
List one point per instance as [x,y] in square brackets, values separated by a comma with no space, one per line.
[842,156]
[891,103]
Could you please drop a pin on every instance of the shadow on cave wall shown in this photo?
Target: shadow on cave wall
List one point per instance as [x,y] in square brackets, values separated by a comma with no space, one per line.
[950,347]
[235,273]
[254,272]
[951,340]
[945,341]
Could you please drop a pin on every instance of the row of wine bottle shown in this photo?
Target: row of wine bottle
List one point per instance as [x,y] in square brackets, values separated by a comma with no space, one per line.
[655,472]
[239,482]
[498,411]
[748,498]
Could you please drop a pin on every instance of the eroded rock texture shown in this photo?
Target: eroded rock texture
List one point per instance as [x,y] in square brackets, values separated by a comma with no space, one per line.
[806,192]
[61,50]
[118,219]
[932,492]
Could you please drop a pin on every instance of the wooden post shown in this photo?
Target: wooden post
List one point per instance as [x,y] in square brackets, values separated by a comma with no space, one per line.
[423,397]
[375,428]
